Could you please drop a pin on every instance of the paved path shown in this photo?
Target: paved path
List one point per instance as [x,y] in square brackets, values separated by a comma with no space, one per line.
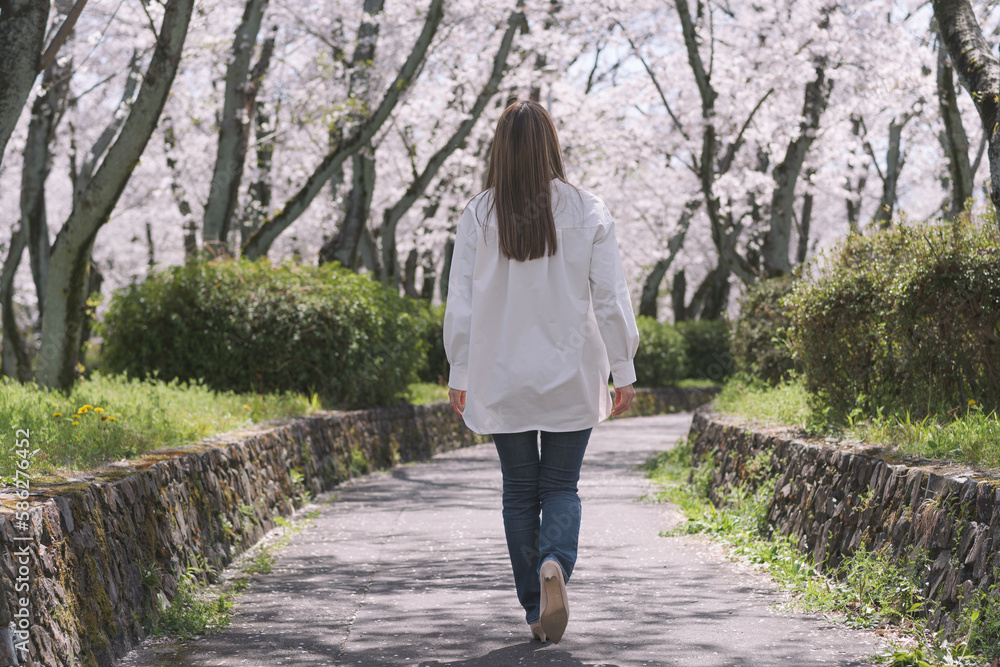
[409,567]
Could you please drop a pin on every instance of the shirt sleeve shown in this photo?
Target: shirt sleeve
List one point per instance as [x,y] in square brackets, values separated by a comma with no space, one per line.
[458,307]
[612,303]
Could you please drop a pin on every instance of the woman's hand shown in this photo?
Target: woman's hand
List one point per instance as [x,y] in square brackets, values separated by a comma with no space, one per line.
[623,400]
[457,399]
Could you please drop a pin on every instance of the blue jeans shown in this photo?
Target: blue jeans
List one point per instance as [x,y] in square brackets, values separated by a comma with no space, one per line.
[540,484]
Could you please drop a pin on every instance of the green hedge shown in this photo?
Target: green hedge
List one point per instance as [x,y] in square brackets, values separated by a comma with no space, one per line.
[761,347]
[437,368]
[660,360]
[904,320]
[707,349]
[688,350]
[252,326]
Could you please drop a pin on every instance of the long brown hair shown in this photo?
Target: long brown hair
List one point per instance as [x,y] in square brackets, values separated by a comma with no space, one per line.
[524,158]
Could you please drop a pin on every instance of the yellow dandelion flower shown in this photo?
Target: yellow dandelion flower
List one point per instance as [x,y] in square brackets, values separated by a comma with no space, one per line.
[98,410]
[76,423]
[247,406]
[57,414]
[109,418]
[972,401]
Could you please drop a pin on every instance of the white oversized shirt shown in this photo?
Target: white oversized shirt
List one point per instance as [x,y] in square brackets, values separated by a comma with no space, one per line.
[532,343]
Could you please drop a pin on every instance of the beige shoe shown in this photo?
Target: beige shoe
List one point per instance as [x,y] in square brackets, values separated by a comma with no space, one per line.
[553,603]
[537,632]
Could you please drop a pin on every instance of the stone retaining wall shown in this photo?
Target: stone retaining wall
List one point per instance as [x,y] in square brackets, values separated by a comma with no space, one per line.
[105,548]
[834,496]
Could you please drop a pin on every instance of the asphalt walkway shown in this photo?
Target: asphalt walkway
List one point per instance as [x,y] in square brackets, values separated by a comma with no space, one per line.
[409,567]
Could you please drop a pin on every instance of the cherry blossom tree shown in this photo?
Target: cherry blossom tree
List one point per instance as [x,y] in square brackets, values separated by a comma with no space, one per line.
[730,140]
[95,198]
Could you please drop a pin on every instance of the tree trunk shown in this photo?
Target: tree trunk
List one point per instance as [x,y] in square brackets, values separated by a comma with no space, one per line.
[804,228]
[449,249]
[410,275]
[150,246]
[188,222]
[265,127]
[33,233]
[427,287]
[979,72]
[260,242]
[712,296]
[15,362]
[22,39]
[68,269]
[46,111]
[954,140]
[95,280]
[651,288]
[858,189]
[678,296]
[777,241]
[344,246]
[233,132]
[893,166]
[368,253]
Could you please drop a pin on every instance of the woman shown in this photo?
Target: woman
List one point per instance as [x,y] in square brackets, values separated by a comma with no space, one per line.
[538,315]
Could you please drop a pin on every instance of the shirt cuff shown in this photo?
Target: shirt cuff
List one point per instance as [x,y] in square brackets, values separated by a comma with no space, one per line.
[624,374]
[458,377]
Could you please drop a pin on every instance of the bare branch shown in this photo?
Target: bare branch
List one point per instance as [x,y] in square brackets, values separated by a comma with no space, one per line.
[979,157]
[392,216]
[115,124]
[60,38]
[701,77]
[593,70]
[261,240]
[727,160]
[656,83]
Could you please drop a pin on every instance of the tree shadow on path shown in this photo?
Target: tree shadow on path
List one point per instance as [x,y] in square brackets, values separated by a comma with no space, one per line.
[522,655]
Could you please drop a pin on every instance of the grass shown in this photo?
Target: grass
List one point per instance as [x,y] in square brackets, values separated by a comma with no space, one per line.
[420,393]
[192,611]
[109,418]
[787,403]
[970,436]
[867,590]
[197,608]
